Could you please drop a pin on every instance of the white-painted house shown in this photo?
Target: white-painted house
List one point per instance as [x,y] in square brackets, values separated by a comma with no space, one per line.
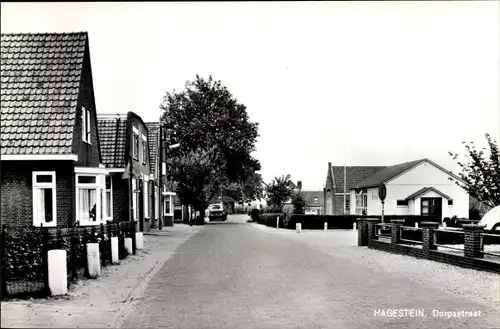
[413,188]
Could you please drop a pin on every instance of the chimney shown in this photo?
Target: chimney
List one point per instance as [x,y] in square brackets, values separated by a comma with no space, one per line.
[299,185]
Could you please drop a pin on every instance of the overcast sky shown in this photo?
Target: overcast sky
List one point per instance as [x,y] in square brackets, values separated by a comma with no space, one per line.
[394,81]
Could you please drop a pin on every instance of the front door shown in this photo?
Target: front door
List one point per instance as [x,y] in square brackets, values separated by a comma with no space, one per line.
[432,207]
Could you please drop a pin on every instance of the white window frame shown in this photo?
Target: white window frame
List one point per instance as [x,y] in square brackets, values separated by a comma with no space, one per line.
[136,146]
[144,145]
[135,205]
[37,221]
[86,125]
[110,190]
[363,205]
[99,186]
[145,197]
[157,203]
[170,211]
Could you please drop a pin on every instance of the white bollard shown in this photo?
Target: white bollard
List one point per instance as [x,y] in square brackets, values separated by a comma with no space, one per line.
[277,222]
[354,226]
[416,224]
[444,224]
[128,245]
[326,226]
[58,277]
[114,250]
[139,241]
[93,260]
[300,227]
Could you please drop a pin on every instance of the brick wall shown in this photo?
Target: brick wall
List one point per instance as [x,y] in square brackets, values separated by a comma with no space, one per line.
[17,193]
[121,207]
[88,154]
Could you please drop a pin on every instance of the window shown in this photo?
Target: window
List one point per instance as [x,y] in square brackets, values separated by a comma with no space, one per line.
[425,207]
[135,198]
[347,204]
[450,202]
[144,149]
[145,196]
[85,125]
[402,202]
[136,146]
[44,198]
[89,198]
[374,196]
[167,206]
[361,203]
[108,199]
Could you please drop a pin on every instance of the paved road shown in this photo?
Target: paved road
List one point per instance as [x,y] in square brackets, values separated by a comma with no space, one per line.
[234,275]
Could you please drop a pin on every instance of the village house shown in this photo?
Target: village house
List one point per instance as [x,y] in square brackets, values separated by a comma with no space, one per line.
[419,187]
[125,153]
[161,189]
[314,202]
[336,194]
[51,168]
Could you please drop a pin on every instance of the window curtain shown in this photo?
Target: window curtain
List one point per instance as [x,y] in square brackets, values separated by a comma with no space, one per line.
[87,202]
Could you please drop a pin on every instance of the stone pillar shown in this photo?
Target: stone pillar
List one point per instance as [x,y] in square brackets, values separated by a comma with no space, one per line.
[472,239]
[58,278]
[428,229]
[114,250]
[93,260]
[372,229]
[139,240]
[362,232]
[396,230]
[128,245]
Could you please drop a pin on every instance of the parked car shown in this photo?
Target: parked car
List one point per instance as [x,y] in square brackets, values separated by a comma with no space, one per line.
[217,212]
[491,220]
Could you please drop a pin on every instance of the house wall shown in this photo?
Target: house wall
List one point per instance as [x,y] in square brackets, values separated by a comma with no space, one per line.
[121,206]
[424,175]
[17,191]
[88,154]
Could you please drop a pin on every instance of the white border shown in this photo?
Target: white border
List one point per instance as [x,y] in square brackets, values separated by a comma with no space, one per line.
[29,157]
[52,185]
[91,170]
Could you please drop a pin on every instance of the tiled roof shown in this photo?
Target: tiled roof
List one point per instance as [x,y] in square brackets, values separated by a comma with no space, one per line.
[153,141]
[113,138]
[310,198]
[425,190]
[387,173]
[354,176]
[40,82]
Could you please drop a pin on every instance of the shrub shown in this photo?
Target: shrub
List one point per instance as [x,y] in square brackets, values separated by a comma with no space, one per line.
[254,214]
[270,219]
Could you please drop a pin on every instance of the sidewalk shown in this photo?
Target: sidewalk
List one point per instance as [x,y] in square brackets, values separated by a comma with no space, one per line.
[100,303]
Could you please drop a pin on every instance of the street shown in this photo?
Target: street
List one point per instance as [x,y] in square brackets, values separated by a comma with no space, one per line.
[236,275]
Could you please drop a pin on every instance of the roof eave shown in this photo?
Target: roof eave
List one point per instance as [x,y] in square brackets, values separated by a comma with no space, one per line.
[38,157]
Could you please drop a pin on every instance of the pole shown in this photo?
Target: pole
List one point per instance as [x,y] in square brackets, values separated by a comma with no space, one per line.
[160,182]
[345,174]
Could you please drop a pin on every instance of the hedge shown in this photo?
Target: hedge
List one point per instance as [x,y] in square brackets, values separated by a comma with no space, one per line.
[270,219]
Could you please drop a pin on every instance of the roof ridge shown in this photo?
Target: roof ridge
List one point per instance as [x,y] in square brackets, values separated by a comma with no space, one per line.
[44,33]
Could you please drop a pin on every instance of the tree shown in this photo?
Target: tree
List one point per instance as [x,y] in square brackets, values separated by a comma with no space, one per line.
[480,174]
[242,192]
[278,191]
[196,179]
[299,203]
[206,116]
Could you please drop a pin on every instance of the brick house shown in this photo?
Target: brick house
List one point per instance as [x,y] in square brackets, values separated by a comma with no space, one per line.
[51,171]
[315,202]
[162,191]
[125,153]
[419,187]
[335,192]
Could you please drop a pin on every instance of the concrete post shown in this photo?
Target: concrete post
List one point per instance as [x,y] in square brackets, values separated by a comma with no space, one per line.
[114,250]
[428,229]
[362,232]
[58,277]
[372,229]
[277,222]
[396,230]
[472,239]
[139,240]
[93,260]
[128,245]
[326,226]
